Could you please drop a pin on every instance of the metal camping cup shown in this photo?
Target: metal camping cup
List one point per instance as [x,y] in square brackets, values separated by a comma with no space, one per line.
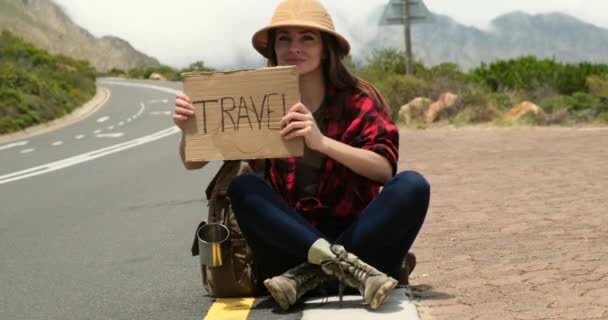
[213,244]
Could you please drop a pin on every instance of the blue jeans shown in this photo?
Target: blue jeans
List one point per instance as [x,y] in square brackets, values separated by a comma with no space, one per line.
[280,237]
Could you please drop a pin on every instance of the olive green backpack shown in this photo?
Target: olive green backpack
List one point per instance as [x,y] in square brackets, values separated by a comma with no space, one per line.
[237,276]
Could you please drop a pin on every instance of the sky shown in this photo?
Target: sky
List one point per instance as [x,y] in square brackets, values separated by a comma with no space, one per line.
[179,32]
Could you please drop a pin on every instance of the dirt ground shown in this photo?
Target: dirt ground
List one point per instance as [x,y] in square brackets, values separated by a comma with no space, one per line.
[518,222]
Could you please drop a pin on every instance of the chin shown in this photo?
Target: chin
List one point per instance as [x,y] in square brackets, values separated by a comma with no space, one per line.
[303,69]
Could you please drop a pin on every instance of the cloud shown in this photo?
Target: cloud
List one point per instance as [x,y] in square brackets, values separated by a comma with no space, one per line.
[180,32]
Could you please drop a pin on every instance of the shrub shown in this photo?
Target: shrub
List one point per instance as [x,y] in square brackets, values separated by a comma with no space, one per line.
[36,86]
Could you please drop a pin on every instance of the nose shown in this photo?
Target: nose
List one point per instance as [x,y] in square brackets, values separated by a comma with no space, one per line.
[294,47]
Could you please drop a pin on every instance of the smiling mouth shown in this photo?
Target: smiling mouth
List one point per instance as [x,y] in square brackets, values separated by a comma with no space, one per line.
[294,61]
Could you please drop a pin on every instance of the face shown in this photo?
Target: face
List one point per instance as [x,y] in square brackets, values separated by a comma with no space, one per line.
[300,47]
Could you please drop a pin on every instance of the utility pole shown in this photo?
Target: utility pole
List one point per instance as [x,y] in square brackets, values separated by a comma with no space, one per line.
[406,12]
[409,68]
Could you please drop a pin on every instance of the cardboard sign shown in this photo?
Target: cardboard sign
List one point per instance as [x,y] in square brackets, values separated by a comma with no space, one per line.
[237,114]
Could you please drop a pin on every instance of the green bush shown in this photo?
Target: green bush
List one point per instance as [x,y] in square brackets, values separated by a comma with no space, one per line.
[528,73]
[598,85]
[36,86]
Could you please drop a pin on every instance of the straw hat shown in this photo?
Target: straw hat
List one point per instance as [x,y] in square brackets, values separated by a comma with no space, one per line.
[299,13]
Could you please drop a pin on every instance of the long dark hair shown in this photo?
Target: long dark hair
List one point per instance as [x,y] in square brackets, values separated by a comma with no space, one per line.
[335,72]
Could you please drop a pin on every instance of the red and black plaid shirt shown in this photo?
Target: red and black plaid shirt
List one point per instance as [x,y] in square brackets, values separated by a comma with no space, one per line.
[340,191]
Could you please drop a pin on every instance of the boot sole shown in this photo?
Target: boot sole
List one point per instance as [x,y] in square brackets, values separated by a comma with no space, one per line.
[382,293]
[277,294]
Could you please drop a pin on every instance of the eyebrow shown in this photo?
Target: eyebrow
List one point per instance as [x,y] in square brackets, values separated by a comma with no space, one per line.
[301,32]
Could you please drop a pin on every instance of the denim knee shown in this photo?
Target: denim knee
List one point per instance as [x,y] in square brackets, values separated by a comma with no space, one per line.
[243,184]
[411,182]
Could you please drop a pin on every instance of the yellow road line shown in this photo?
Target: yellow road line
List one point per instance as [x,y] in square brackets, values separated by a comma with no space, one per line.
[230,309]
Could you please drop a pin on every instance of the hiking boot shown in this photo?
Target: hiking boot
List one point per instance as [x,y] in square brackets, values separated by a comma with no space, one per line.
[409,263]
[289,287]
[373,285]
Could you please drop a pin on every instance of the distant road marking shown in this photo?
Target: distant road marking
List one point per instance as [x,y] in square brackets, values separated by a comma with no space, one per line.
[111,128]
[103,119]
[97,131]
[140,85]
[160,113]
[57,143]
[141,110]
[110,135]
[68,162]
[12,145]
[80,136]
[27,150]
[158,101]
[122,123]
[230,309]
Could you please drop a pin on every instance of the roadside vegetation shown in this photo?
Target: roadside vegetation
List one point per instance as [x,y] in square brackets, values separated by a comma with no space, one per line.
[568,94]
[158,73]
[36,86]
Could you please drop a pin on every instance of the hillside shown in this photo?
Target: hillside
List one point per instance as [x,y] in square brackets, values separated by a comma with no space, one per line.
[45,24]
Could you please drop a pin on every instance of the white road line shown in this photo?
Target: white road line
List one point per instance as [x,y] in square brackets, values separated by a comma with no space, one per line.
[141,110]
[129,120]
[80,136]
[110,135]
[103,119]
[57,143]
[68,162]
[122,123]
[158,101]
[111,128]
[27,150]
[97,131]
[398,306]
[57,165]
[12,145]
[140,85]
[160,113]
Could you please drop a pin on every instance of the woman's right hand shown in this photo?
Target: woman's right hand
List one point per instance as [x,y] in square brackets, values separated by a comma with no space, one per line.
[183,109]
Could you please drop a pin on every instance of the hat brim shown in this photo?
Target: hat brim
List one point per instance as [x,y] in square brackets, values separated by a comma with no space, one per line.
[260,38]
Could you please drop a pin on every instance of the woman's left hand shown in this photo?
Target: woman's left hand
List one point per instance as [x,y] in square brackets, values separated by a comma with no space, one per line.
[299,122]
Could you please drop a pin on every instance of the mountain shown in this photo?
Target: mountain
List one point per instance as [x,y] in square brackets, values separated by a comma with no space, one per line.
[442,39]
[45,24]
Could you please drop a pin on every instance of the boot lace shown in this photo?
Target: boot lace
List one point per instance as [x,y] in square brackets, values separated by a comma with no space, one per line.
[348,269]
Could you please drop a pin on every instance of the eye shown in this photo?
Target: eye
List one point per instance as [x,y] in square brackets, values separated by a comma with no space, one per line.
[283,38]
[308,37]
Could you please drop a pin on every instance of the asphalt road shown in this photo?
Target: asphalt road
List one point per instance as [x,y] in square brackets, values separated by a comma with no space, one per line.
[108,237]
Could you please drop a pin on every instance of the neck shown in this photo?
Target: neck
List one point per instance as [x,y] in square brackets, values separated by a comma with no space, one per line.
[312,89]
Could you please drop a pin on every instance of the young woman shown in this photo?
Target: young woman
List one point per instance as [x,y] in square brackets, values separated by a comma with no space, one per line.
[322,216]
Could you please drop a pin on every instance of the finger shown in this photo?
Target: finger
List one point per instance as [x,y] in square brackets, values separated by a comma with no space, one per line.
[299,107]
[294,126]
[298,133]
[294,116]
[184,111]
[183,104]
[183,96]
[179,117]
